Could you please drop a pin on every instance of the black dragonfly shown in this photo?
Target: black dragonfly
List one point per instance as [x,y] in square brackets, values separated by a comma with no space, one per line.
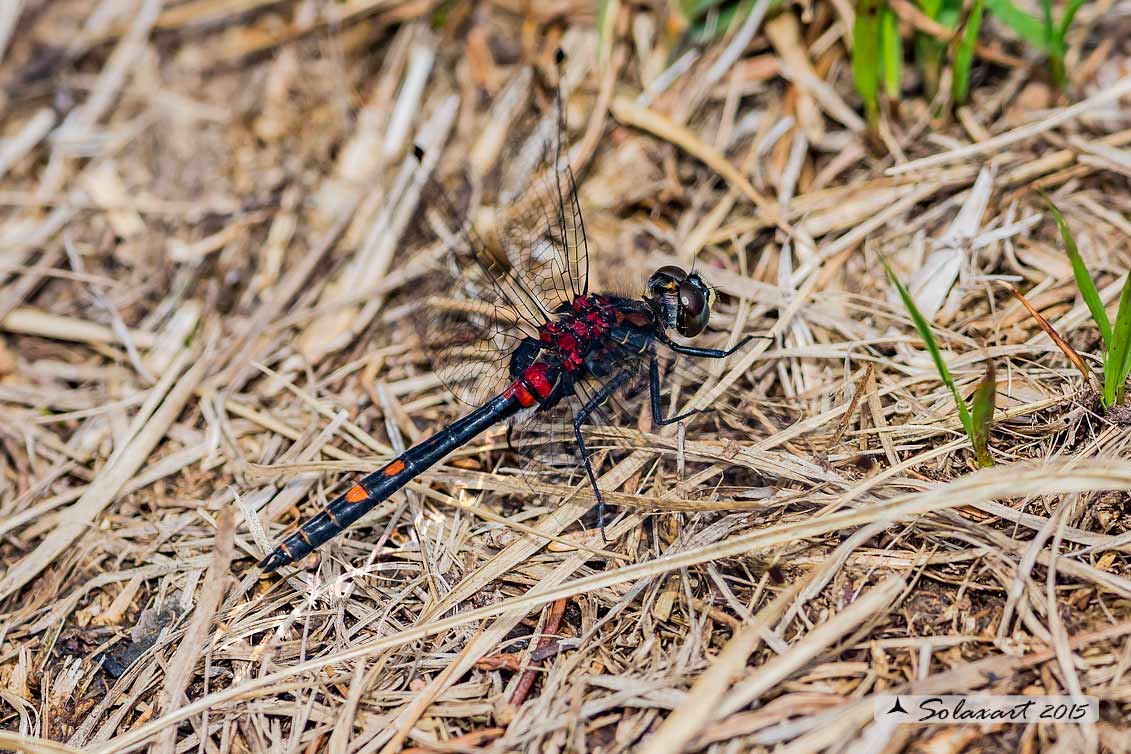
[514,331]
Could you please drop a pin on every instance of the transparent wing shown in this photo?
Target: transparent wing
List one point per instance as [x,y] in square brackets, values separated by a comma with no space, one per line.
[541,230]
[497,285]
[471,317]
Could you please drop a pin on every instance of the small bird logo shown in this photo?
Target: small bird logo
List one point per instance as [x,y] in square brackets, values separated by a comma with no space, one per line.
[897,707]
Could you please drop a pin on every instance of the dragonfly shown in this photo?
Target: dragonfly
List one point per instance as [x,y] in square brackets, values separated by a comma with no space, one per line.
[514,332]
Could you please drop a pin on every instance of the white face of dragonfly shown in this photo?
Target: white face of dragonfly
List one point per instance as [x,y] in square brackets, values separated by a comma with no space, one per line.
[684,300]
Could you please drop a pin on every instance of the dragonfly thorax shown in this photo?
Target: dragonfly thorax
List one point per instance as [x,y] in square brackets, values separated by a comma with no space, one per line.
[570,337]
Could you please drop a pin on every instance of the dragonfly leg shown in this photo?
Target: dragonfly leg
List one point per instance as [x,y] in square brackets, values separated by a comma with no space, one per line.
[579,418]
[706,353]
[654,393]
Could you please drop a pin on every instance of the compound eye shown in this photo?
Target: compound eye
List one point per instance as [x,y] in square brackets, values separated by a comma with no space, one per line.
[691,299]
[693,308]
[666,279]
[707,292]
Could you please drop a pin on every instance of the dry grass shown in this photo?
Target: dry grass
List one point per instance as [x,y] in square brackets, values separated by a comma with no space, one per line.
[204,258]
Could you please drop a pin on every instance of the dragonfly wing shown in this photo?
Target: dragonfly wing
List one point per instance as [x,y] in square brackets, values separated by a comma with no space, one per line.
[468,320]
[498,284]
[541,227]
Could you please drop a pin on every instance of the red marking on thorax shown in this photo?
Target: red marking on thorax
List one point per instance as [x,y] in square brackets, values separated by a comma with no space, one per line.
[356,494]
[394,468]
[572,334]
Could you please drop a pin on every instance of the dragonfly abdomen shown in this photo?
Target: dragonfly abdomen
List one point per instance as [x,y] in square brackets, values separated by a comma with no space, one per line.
[378,486]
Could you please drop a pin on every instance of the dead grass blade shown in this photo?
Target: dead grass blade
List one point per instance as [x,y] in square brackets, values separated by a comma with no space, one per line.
[708,690]
[179,673]
[1062,344]
[165,185]
[868,606]
[1053,477]
[30,745]
[628,112]
[122,466]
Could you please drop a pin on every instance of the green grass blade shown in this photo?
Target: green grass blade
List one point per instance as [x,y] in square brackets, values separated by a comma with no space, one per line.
[930,52]
[928,337]
[1057,69]
[1066,21]
[982,415]
[964,54]
[892,52]
[866,44]
[1057,44]
[692,9]
[1083,279]
[439,16]
[1119,354]
[949,13]
[1030,29]
[1046,15]
[709,20]
[928,58]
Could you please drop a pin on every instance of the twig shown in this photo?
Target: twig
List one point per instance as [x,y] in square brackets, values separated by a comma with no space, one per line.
[181,667]
[553,622]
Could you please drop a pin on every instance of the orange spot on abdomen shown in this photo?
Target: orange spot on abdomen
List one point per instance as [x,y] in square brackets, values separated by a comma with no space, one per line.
[394,468]
[356,494]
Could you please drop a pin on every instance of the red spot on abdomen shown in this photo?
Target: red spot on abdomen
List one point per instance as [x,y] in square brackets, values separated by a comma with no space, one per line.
[538,378]
[394,468]
[535,376]
[356,494]
[519,391]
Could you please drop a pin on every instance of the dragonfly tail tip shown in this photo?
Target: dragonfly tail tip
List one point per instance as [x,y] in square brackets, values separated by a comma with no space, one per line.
[273,560]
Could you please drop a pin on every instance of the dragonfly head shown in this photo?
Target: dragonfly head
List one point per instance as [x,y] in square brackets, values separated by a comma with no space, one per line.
[682,300]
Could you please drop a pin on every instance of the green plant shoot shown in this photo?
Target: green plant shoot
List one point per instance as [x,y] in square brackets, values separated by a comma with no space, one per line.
[866,48]
[964,54]
[977,432]
[1117,342]
[982,415]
